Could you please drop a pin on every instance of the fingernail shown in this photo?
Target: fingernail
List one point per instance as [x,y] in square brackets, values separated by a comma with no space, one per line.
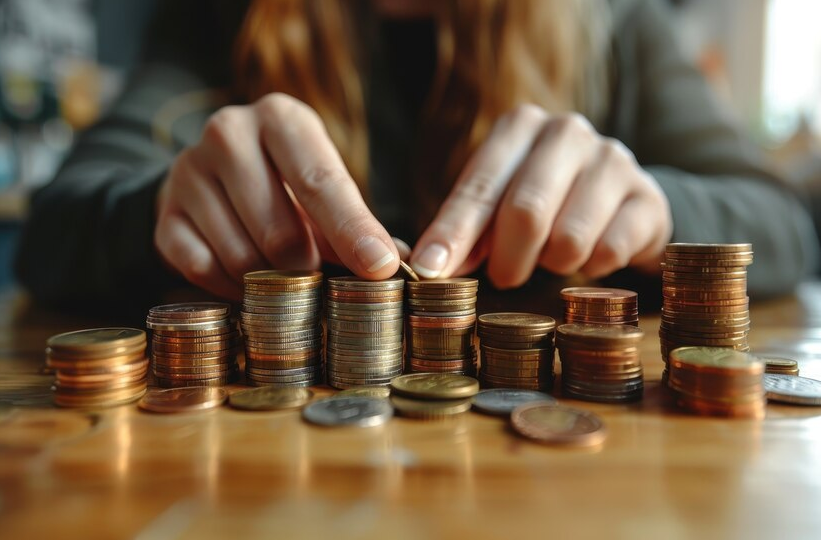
[431,261]
[373,253]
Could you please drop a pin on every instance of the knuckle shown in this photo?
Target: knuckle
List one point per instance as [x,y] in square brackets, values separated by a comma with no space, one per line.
[528,211]
[318,181]
[574,123]
[611,256]
[479,190]
[278,106]
[570,244]
[613,150]
[527,112]
[222,127]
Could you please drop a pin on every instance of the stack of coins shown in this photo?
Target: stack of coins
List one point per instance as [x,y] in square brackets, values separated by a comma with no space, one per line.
[441,325]
[780,366]
[601,362]
[365,323]
[517,350]
[193,344]
[718,381]
[101,367]
[281,322]
[705,303]
[433,396]
[598,305]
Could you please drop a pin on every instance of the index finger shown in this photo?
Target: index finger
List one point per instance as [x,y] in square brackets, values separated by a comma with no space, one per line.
[301,149]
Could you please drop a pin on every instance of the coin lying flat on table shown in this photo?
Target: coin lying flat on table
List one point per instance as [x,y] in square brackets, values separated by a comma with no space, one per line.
[270,398]
[502,401]
[780,366]
[382,392]
[426,409]
[435,385]
[174,400]
[557,424]
[348,411]
[792,389]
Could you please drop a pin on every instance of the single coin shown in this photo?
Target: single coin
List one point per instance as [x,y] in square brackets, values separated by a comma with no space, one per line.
[513,320]
[425,409]
[97,338]
[435,385]
[366,391]
[708,248]
[356,411]
[194,398]
[598,294]
[406,269]
[269,398]
[556,424]
[190,310]
[502,401]
[792,389]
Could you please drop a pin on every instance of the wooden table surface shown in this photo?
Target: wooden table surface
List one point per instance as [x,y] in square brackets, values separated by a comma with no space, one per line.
[122,473]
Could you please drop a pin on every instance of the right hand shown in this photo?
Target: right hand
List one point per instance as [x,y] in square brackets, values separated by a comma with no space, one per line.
[265,188]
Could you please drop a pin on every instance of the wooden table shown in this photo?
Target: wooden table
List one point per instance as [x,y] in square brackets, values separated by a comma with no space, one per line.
[121,473]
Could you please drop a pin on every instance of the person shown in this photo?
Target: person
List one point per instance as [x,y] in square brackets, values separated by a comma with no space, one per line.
[566,135]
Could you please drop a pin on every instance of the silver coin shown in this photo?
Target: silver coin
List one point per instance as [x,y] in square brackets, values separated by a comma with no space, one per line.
[792,389]
[502,401]
[348,411]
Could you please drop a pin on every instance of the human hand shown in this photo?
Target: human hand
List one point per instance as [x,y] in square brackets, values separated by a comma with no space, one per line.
[549,191]
[265,188]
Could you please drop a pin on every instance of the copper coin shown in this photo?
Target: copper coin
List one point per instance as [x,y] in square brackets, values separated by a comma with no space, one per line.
[556,424]
[183,399]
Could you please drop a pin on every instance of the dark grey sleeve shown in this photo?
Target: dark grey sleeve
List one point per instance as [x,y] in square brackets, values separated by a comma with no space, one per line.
[717,184]
[89,237]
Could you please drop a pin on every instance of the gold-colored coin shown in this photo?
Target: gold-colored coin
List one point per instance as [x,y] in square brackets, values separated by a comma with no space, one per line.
[176,400]
[97,339]
[430,409]
[435,385]
[269,398]
[406,269]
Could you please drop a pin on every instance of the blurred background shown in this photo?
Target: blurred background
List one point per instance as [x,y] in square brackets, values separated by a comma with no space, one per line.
[62,62]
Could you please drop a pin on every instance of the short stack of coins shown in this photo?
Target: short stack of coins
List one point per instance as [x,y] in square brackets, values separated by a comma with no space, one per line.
[365,328]
[442,325]
[601,362]
[600,305]
[193,344]
[281,322]
[715,381]
[433,396]
[705,303]
[100,367]
[517,350]
[780,366]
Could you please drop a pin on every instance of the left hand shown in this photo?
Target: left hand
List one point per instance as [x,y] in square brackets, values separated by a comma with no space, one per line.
[549,191]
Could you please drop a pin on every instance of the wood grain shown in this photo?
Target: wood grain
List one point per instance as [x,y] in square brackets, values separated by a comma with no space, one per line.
[122,473]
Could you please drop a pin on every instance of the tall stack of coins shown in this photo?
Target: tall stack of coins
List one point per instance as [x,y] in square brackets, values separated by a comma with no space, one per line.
[441,325]
[281,322]
[601,362]
[517,350]
[365,324]
[599,305]
[705,303]
[193,344]
[101,367]
[718,381]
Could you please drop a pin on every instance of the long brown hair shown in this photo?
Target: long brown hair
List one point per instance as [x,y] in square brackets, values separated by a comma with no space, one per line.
[492,55]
